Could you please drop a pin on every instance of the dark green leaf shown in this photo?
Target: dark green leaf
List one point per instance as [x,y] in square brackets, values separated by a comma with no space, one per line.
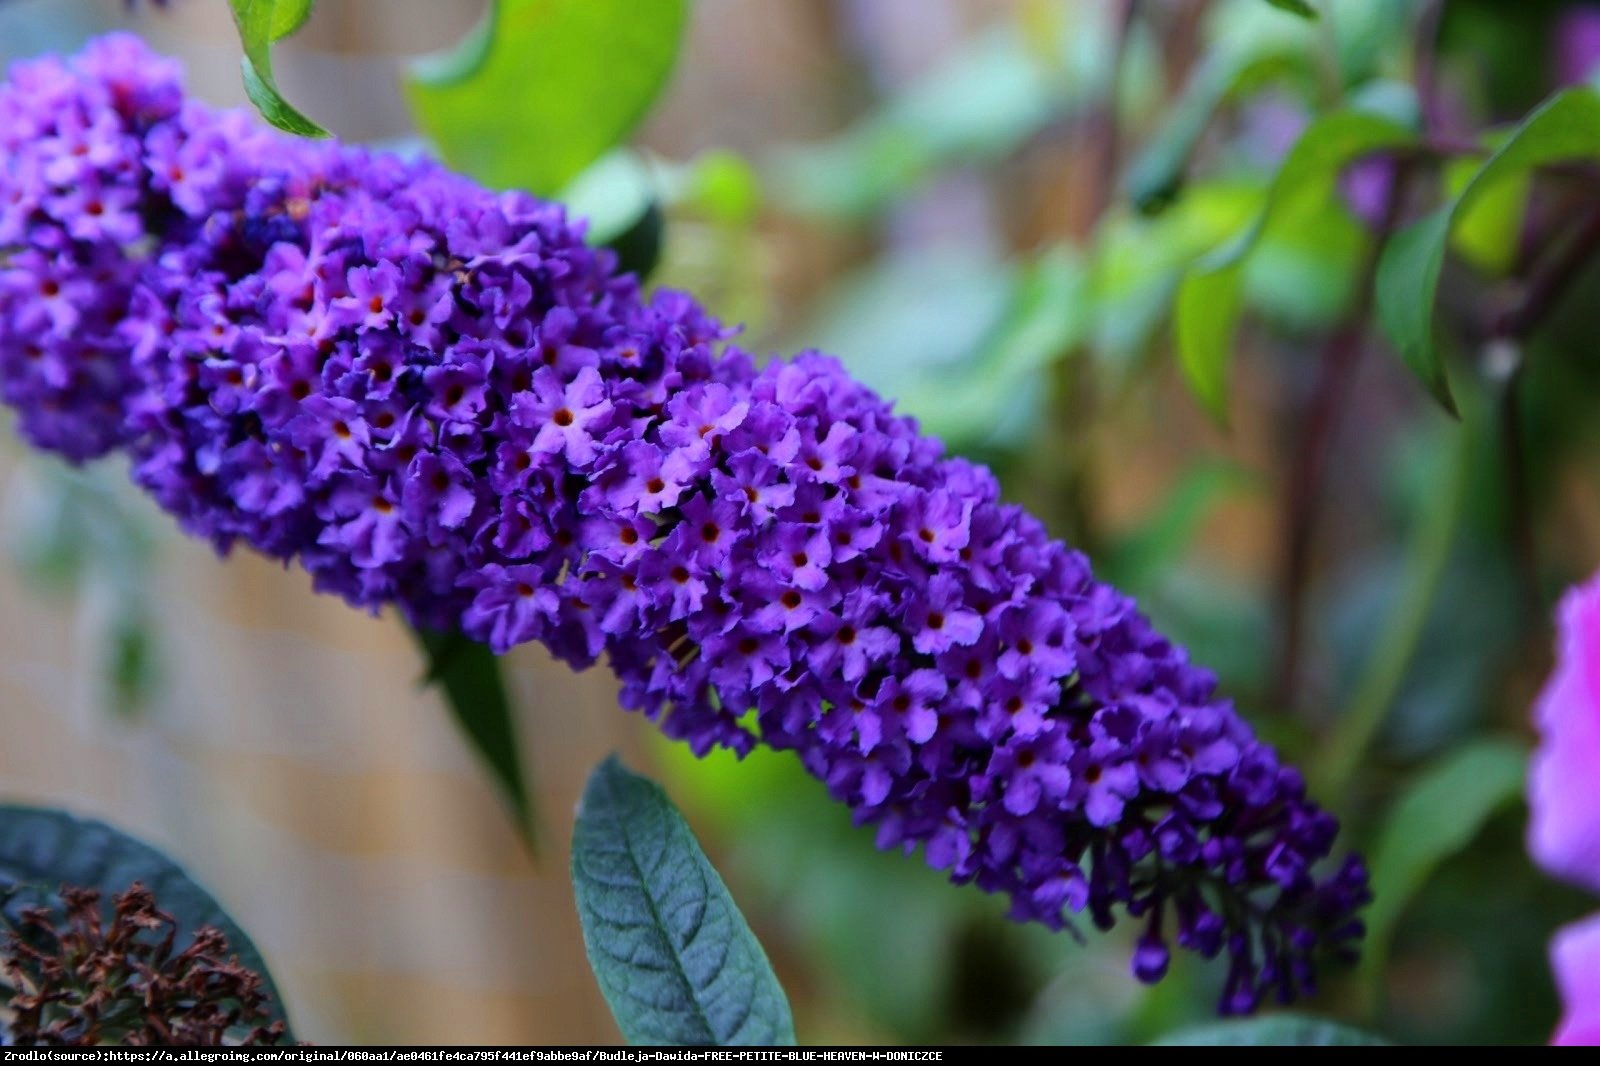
[260,23]
[1209,297]
[469,676]
[1438,815]
[42,850]
[1303,8]
[638,247]
[1565,128]
[1279,1030]
[132,659]
[559,84]
[676,960]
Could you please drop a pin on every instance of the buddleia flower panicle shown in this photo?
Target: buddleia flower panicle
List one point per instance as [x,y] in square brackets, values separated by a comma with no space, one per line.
[439,397]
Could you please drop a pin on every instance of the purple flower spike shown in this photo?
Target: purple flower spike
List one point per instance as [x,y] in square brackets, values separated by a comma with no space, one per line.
[438,397]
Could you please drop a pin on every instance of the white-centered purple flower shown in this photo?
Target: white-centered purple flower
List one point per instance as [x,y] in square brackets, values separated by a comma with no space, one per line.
[438,397]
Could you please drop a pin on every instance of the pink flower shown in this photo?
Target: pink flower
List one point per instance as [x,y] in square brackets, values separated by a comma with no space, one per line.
[1575,957]
[1564,797]
[1564,789]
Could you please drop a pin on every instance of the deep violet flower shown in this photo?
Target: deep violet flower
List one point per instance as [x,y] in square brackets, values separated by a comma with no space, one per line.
[1564,799]
[438,397]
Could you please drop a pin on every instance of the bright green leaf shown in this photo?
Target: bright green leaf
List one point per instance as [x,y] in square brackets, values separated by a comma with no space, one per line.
[724,187]
[674,957]
[1567,127]
[560,83]
[42,850]
[1278,1030]
[260,23]
[1488,233]
[288,16]
[1207,311]
[1439,814]
[474,690]
[1139,260]
[1209,296]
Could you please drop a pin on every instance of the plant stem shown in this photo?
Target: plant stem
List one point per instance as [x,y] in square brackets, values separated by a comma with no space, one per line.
[1396,644]
[1109,115]
[1341,354]
[1507,361]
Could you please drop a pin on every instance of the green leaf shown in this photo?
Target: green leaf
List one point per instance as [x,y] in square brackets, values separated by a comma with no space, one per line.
[1303,8]
[469,676]
[1278,1030]
[1209,297]
[547,87]
[42,850]
[260,23]
[1207,313]
[1488,234]
[1565,128]
[1381,676]
[612,195]
[676,960]
[1439,814]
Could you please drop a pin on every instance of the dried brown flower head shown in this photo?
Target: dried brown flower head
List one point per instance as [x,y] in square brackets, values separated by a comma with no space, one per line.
[80,982]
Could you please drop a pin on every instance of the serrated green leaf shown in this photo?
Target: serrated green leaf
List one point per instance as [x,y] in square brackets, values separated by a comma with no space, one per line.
[1208,301]
[1565,128]
[674,957]
[560,83]
[1440,813]
[474,689]
[1278,1030]
[1303,8]
[260,23]
[42,850]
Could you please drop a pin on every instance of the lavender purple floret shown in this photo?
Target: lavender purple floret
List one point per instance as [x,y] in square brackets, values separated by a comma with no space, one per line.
[436,396]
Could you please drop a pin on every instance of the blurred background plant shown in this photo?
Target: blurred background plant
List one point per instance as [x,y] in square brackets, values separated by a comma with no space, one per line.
[1278,310]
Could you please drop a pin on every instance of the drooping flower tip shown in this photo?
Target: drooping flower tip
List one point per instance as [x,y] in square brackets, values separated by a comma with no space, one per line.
[438,397]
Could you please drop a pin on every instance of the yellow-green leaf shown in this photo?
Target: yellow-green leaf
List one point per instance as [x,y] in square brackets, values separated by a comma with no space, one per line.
[546,87]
